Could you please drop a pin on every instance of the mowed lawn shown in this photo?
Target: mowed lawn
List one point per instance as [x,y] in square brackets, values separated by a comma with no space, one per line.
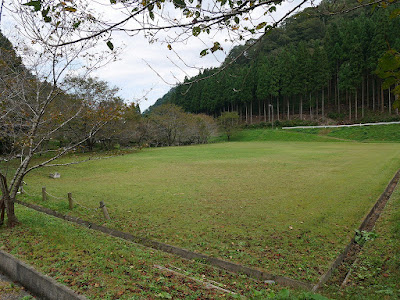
[284,207]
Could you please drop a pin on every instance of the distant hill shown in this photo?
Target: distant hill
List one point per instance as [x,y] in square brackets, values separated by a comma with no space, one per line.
[8,53]
[164,99]
[314,65]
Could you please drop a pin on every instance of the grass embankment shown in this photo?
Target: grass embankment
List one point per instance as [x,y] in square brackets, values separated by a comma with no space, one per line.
[258,135]
[287,208]
[103,267]
[376,133]
[376,272]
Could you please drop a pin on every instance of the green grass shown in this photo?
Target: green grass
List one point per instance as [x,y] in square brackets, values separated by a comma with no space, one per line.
[103,267]
[381,133]
[376,272]
[257,135]
[284,207]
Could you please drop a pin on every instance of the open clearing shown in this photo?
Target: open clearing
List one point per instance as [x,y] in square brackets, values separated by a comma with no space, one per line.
[284,207]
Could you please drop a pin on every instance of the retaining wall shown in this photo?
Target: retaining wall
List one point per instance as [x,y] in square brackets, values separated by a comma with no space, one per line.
[38,284]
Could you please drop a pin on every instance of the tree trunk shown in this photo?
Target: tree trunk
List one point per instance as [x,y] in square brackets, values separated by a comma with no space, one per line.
[390,104]
[301,108]
[338,91]
[396,97]
[336,84]
[367,92]
[2,209]
[362,96]
[7,204]
[293,107]
[277,107]
[329,89]
[265,113]
[373,94]
[382,100]
[269,110]
[355,107]
[323,103]
[251,112]
[288,108]
[349,101]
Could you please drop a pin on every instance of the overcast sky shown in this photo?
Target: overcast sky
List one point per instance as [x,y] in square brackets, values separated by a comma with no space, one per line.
[144,72]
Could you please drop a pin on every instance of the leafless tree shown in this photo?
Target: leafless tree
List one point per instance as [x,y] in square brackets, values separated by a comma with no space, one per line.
[169,125]
[34,101]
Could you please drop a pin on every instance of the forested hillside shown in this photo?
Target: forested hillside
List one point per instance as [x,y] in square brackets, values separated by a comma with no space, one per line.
[315,65]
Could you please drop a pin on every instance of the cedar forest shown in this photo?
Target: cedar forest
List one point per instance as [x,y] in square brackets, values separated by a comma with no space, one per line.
[314,65]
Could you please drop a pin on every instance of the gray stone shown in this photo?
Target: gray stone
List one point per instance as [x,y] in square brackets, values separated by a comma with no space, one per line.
[55,175]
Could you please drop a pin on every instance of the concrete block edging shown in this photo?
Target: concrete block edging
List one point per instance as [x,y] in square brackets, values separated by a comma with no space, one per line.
[40,285]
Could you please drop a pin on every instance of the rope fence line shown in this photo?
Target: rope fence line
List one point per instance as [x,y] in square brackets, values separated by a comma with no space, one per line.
[45,193]
[88,208]
[58,198]
[25,192]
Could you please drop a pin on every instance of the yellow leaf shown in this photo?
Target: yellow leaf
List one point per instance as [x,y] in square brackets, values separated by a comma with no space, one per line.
[71,9]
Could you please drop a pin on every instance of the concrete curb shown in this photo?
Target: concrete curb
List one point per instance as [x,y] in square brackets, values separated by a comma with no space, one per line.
[38,284]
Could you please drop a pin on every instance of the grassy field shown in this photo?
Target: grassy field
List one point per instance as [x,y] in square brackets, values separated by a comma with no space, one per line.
[258,135]
[284,207]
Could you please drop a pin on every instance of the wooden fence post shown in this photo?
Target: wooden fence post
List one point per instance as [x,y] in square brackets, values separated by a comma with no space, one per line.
[104,208]
[44,196]
[70,201]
